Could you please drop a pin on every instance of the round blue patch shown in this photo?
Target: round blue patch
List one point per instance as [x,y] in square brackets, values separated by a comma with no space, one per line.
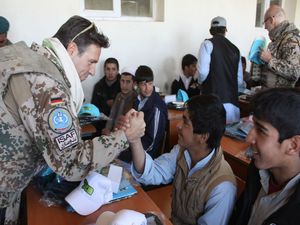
[60,120]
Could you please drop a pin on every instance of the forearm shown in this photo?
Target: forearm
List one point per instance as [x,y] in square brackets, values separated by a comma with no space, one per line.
[138,155]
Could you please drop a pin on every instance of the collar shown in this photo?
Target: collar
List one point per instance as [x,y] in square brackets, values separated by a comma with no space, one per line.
[199,165]
[186,80]
[277,31]
[265,177]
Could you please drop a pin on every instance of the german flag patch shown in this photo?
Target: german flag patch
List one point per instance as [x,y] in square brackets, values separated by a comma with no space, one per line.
[56,101]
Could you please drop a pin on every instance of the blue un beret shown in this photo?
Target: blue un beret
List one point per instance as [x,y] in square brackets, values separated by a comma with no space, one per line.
[4,25]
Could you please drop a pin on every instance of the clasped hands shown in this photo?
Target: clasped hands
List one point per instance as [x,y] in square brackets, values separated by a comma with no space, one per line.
[132,124]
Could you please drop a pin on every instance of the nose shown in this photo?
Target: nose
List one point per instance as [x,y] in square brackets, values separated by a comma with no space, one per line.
[92,69]
[251,136]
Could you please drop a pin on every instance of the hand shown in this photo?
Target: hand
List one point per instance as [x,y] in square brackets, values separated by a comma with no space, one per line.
[137,126]
[265,55]
[122,123]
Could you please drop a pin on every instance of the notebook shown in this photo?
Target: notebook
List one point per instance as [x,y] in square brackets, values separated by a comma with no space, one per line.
[126,190]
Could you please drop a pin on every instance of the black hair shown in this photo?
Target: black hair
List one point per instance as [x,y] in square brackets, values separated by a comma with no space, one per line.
[113,61]
[128,74]
[281,108]
[76,24]
[217,30]
[187,60]
[143,73]
[208,115]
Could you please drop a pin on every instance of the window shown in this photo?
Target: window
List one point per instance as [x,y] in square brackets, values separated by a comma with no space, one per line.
[261,7]
[123,9]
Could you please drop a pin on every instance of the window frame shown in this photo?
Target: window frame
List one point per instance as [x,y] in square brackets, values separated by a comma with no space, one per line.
[266,5]
[116,13]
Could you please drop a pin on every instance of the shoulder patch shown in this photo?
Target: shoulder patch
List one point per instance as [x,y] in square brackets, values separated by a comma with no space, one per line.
[67,140]
[60,120]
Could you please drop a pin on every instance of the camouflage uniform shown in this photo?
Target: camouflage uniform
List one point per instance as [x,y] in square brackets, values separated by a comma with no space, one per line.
[37,126]
[283,70]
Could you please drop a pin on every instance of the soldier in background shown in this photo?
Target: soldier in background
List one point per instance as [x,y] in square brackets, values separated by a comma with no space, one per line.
[41,94]
[282,59]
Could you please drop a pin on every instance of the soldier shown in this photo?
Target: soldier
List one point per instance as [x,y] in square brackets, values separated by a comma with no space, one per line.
[41,94]
[282,59]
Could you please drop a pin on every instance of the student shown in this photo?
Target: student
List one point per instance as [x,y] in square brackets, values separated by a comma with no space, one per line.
[106,90]
[155,112]
[4,27]
[186,80]
[124,100]
[272,190]
[41,94]
[220,68]
[204,189]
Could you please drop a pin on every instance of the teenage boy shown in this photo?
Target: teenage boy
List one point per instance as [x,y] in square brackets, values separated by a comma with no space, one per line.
[155,113]
[272,193]
[106,90]
[204,189]
[186,80]
[124,100]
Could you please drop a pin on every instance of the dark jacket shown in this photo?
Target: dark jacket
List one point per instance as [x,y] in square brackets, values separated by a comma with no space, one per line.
[102,92]
[222,78]
[155,129]
[288,214]
[191,91]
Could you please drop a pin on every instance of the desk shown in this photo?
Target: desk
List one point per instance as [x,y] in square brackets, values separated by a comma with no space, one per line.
[162,197]
[38,214]
[234,155]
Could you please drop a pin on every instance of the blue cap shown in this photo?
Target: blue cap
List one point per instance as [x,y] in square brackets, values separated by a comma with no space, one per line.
[89,110]
[4,25]
[182,96]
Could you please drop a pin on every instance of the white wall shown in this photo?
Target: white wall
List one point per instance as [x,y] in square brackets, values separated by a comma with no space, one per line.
[160,45]
[297,14]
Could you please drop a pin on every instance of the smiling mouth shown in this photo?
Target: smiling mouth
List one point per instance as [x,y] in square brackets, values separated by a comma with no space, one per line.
[251,152]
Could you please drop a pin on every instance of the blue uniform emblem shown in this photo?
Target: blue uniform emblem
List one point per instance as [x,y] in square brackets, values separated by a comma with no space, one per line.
[60,120]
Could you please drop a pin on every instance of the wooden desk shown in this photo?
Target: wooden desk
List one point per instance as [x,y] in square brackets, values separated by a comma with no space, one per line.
[162,197]
[234,154]
[38,214]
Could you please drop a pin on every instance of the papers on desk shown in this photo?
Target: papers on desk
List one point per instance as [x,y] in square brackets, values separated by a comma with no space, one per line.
[86,119]
[239,130]
[120,182]
[176,105]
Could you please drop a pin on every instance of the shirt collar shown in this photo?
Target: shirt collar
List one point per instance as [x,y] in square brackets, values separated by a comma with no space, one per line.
[186,80]
[199,165]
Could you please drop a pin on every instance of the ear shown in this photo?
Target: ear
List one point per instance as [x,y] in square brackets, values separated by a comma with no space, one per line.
[294,145]
[72,48]
[202,138]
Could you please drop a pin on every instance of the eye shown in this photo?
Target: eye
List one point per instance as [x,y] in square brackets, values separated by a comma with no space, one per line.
[259,130]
